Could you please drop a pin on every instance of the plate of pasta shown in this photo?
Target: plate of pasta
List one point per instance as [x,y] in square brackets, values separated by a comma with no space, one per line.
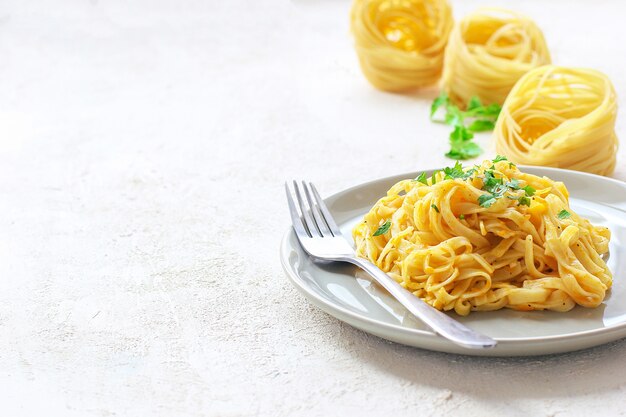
[533,257]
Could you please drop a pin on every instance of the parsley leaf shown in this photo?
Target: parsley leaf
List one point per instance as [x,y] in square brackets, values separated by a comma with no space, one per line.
[477,118]
[463,150]
[454,117]
[486,200]
[455,172]
[513,184]
[492,110]
[530,191]
[460,134]
[474,103]
[481,125]
[422,178]
[490,183]
[462,217]
[499,158]
[435,207]
[442,100]
[383,228]
[564,214]
[497,188]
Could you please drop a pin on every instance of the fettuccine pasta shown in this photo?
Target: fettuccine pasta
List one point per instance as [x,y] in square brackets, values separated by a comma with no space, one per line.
[488,51]
[400,43]
[560,117]
[487,238]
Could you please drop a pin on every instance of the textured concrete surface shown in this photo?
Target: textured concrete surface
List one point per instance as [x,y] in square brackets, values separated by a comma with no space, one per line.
[143,147]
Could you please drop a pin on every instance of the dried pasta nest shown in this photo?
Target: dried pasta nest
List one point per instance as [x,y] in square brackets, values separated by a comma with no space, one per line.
[560,117]
[400,43]
[488,51]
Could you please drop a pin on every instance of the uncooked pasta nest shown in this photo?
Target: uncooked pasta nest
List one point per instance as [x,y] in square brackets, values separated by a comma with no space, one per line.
[400,43]
[486,238]
[488,51]
[560,117]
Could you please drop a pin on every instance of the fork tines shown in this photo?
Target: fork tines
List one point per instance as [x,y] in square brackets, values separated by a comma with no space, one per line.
[313,218]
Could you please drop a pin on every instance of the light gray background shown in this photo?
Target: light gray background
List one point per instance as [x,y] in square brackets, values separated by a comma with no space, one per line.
[143,146]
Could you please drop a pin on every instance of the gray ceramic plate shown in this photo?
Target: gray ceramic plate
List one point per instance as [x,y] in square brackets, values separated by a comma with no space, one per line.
[350,295]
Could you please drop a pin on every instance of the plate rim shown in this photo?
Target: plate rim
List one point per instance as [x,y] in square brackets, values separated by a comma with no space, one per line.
[304,289]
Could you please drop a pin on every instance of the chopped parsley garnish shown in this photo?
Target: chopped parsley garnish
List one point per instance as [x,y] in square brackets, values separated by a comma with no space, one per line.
[513,184]
[383,228]
[497,188]
[477,118]
[462,217]
[491,183]
[422,178]
[486,200]
[499,158]
[457,172]
[530,191]
[450,173]
[564,214]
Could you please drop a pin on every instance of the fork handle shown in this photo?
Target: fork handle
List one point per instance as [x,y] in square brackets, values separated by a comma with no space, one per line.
[438,321]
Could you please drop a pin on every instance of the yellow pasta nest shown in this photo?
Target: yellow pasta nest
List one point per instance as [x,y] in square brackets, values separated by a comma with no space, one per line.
[560,117]
[400,43]
[488,52]
[487,238]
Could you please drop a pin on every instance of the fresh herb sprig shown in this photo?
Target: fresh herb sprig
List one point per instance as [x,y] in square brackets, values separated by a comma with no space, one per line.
[477,118]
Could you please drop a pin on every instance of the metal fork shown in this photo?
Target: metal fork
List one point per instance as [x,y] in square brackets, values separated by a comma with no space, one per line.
[321,238]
